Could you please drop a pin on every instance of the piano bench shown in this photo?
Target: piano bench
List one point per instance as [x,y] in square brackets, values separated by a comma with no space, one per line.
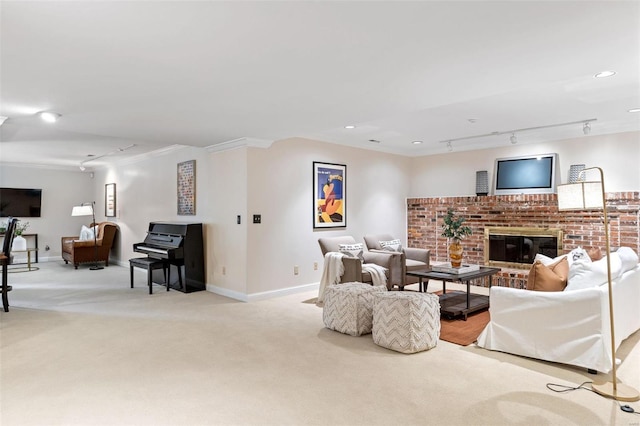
[150,264]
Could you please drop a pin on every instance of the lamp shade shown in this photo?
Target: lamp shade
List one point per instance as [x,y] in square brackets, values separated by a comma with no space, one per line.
[580,196]
[82,210]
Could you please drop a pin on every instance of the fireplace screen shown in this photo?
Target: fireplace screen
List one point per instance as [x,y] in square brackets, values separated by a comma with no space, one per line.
[517,247]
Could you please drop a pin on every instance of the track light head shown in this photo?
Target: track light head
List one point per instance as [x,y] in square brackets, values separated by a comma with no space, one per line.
[513,138]
[82,168]
[586,128]
[449,146]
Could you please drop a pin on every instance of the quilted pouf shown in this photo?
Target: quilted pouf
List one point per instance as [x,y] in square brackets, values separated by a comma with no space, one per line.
[348,307]
[406,322]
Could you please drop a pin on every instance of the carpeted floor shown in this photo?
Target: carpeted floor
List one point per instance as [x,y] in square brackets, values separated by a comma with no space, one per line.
[80,347]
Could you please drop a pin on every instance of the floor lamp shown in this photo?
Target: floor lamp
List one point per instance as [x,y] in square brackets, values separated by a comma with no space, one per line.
[591,196]
[88,209]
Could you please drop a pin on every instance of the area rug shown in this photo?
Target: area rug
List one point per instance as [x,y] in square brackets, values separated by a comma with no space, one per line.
[463,332]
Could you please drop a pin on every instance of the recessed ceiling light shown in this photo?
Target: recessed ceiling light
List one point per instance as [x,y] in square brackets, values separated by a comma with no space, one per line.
[49,117]
[350,126]
[604,74]
[472,120]
[634,110]
[416,142]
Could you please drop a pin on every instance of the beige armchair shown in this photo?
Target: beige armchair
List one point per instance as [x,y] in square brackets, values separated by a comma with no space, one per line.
[412,258]
[353,266]
[77,252]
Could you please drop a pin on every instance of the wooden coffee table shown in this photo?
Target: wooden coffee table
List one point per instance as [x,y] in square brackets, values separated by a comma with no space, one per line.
[457,303]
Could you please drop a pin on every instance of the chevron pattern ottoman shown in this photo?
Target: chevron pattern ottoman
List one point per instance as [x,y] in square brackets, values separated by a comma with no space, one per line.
[406,322]
[348,307]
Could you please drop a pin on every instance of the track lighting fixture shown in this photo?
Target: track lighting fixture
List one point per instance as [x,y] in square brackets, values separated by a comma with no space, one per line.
[586,128]
[95,157]
[449,146]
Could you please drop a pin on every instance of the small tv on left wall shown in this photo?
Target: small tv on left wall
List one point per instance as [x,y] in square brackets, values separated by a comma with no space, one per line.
[20,202]
[531,174]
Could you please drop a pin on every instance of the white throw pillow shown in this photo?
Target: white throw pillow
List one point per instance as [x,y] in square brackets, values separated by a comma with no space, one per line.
[628,257]
[352,250]
[393,245]
[572,256]
[87,233]
[584,274]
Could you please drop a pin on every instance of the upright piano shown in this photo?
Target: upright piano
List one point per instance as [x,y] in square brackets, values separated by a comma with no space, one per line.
[180,245]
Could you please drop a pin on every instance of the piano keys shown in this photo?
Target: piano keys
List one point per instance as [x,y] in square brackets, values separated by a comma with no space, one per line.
[181,245]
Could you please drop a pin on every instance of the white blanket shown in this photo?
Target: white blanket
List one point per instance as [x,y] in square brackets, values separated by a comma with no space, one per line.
[378,275]
[333,270]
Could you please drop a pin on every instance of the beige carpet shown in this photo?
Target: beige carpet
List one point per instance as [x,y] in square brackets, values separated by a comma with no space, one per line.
[80,347]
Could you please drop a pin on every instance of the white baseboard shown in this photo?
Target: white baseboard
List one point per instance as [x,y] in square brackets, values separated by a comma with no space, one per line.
[262,295]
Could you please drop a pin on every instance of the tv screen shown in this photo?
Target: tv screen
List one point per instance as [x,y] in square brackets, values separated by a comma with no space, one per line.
[534,174]
[20,202]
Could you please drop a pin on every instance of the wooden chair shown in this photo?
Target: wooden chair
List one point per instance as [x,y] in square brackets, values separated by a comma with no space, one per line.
[5,260]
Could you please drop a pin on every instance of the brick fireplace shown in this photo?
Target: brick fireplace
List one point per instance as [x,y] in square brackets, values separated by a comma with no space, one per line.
[579,229]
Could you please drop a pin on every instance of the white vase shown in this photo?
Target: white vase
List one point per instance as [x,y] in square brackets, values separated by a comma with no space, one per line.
[19,243]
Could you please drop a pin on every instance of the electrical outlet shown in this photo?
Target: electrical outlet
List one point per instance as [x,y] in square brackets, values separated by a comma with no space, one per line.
[315,266]
[47,248]
[296,271]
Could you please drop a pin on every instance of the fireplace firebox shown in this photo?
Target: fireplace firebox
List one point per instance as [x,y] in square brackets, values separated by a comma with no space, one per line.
[515,247]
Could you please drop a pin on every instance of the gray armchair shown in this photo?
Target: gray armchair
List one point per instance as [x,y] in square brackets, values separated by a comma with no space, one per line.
[393,262]
[412,258]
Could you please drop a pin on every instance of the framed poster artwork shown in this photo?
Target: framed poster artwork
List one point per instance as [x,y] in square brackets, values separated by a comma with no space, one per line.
[110,200]
[187,188]
[329,195]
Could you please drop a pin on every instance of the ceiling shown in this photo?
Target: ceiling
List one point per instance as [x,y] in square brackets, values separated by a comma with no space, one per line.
[159,74]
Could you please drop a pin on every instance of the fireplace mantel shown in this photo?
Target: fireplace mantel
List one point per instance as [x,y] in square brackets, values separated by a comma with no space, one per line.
[579,229]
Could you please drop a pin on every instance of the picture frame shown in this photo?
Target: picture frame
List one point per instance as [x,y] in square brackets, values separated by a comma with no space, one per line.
[329,195]
[110,200]
[187,188]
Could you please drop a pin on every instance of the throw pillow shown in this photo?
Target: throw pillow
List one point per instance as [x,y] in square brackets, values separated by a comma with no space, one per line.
[87,233]
[628,257]
[392,245]
[594,253]
[353,250]
[548,278]
[584,274]
[573,255]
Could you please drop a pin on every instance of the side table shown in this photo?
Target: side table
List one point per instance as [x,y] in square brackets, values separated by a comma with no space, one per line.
[29,266]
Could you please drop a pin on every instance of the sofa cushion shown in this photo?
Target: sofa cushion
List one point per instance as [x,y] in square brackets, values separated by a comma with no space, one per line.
[392,245]
[353,250]
[551,277]
[584,273]
[628,258]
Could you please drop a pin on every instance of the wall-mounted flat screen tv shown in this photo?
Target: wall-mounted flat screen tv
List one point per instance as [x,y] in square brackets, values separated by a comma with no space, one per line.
[533,174]
[20,202]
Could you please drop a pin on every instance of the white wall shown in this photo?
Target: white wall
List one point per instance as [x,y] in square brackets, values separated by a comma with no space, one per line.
[454,173]
[146,191]
[61,190]
[280,189]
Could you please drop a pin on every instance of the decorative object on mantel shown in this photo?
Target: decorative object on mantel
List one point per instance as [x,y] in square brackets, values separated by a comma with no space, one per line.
[454,229]
[592,196]
[19,242]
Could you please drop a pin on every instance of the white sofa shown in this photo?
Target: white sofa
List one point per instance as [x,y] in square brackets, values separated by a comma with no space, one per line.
[570,327]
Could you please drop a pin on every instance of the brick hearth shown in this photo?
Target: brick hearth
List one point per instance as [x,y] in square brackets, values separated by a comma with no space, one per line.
[581,229]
